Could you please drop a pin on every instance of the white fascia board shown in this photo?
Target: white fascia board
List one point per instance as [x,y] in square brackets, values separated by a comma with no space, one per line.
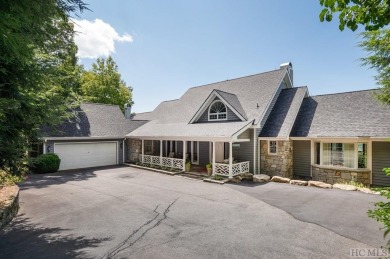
[296,114]
[273,138]
[238,133]
[207,103]
[181,138]
[81,138]
[270,101]
[203,107]
[228,105]
[342,139]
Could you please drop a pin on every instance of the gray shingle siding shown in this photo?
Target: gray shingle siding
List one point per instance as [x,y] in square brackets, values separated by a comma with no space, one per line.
[302,158]
[231,116]
[204,153]
[380,160]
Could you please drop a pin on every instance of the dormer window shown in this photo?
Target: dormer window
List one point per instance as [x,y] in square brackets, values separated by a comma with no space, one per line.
[217,111]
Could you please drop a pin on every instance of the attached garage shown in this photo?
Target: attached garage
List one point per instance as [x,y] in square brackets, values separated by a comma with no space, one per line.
[86,154]
[380,160]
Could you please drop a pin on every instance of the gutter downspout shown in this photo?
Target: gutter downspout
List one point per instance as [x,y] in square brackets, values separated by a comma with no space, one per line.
[123,151]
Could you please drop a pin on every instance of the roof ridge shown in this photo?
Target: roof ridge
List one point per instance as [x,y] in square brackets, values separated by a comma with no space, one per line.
[237,78]
[356,91]
[224,92]
[105,104]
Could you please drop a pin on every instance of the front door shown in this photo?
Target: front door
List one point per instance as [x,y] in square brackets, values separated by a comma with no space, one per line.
[219,152]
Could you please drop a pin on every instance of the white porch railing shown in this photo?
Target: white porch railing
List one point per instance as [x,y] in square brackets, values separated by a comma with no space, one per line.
[163,161]
[237,168]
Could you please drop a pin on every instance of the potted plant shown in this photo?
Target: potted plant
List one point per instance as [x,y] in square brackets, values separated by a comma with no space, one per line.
[188,165]
[209,168]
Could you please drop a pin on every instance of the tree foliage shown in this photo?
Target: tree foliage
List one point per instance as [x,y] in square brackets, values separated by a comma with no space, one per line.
[38,72]
[103,84]
[372,14]
[377,44]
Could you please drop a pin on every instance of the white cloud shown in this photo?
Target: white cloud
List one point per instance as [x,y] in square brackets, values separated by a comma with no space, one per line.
[96,38]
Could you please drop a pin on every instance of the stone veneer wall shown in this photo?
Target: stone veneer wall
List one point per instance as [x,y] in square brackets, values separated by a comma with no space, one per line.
[332,176]
[134,149]
[9,203]
[279,164]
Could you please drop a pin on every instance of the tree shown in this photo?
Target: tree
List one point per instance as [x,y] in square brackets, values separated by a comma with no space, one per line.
[103,84]
[377,44]
[373,14]
[37,73]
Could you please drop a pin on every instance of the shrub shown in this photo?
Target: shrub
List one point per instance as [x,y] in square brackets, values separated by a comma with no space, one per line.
[46,163]
[7,178]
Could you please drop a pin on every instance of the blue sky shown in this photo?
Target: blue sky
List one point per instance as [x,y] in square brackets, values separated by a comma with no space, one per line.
[164,47]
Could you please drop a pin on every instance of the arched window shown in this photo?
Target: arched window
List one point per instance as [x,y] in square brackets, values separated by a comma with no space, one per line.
[217,111]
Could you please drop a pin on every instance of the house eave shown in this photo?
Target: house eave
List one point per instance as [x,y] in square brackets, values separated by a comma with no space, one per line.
[82,138]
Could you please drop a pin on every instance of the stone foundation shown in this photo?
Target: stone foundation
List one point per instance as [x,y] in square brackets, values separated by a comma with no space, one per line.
[134,148]
[279,164]
[9,203]
[332,175]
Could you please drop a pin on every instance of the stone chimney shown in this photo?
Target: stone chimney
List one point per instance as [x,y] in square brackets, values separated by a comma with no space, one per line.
[128,111]
[289,68]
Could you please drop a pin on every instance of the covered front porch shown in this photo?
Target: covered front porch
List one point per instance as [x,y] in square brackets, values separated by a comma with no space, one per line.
[225,157]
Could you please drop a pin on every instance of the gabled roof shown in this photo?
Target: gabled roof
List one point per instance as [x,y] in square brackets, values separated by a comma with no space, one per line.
[352,114]
[284,113]
[228,99]
[233,101]
[253,93]
[94,120]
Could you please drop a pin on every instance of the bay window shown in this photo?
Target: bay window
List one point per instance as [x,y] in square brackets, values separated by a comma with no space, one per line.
[350,155]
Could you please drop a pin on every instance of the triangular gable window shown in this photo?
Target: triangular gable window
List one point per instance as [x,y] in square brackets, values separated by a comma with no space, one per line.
[217,111]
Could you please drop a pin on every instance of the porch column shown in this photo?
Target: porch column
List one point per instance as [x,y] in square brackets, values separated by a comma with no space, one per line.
[230,159]
[142,151]
[213,157]
[161,151]
[184,154]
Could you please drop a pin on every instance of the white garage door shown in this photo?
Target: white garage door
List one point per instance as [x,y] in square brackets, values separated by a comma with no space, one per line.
[82,155]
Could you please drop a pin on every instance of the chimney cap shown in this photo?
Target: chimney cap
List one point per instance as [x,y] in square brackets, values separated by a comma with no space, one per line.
[287,64]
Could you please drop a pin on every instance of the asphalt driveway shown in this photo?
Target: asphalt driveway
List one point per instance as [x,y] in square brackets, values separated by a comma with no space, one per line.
[124,212]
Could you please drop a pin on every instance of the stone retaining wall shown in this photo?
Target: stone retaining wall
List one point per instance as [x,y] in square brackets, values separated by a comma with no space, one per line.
[9,204]
[279,164]
[332,176]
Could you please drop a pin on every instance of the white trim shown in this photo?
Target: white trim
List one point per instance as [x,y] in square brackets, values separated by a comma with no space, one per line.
[81,138]
[296,113]
[213,162]
[369,158]
[192,152]
[270,101]
[241,140]
[189,138]
[254,151]
[44,147]
[207,104]
[123,151]
[90,142]
[269,148]
[259,151]
[218,113]
[239,132]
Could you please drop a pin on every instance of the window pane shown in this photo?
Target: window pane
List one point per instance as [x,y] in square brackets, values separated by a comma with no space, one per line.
[339,154]
[362,155]
[222,116]
[317,152]
[272,147]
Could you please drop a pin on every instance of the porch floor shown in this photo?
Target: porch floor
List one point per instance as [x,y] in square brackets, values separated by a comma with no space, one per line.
[199,170]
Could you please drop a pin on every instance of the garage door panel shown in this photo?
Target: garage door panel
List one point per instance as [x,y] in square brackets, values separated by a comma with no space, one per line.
[82,155]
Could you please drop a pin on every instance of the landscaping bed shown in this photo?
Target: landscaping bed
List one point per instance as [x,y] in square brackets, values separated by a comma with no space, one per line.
[9,203]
